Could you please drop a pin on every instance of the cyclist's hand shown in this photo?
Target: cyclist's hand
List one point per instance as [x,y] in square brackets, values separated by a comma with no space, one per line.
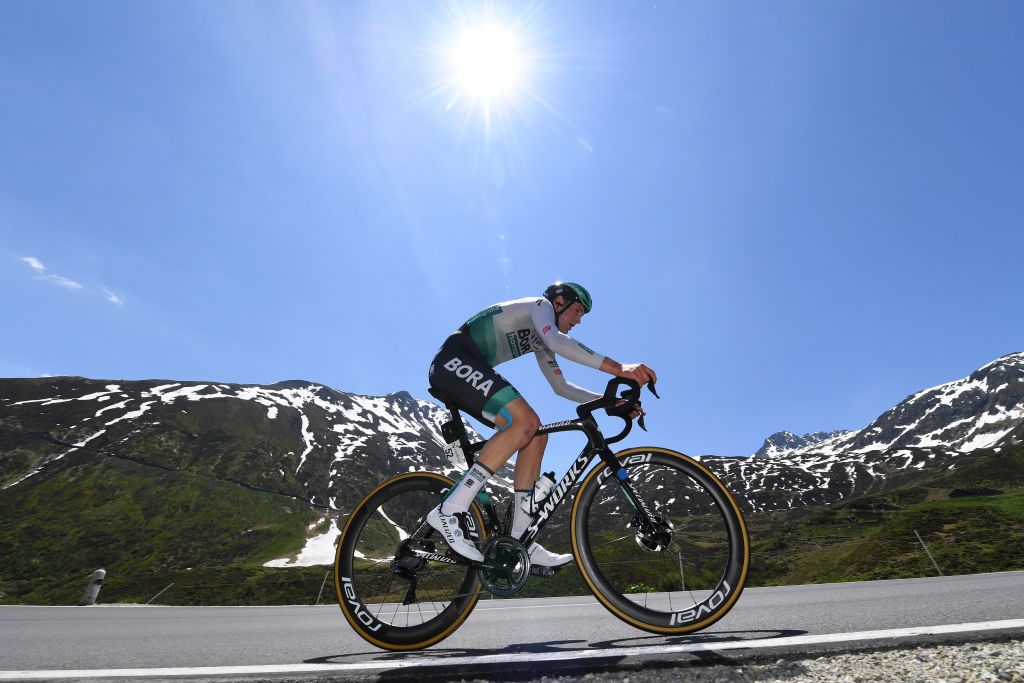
[639,373]
[636,412]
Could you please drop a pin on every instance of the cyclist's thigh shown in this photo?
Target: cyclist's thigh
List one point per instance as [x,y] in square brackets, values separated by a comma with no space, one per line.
[520,412]
[459,371]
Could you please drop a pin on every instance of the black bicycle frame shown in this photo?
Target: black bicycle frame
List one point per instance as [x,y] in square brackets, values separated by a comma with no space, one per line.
[597,445]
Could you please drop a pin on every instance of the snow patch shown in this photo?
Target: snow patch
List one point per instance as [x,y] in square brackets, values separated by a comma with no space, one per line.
[111,389]
[319,550]
[985,440]
[133,414]
[122,404]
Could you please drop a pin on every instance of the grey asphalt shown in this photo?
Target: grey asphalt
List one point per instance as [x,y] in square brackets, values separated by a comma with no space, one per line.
[109,637]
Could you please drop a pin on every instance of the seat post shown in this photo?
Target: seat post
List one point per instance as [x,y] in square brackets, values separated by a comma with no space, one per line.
[457,429]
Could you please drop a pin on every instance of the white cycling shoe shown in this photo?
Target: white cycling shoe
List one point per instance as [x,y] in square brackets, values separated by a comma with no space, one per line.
[451,532]
[545,558]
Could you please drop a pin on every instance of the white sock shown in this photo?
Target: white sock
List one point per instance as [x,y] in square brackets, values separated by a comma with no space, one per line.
[462,494]
[520,518]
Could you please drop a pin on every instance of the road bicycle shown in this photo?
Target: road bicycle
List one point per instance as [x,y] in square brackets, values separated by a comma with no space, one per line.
[656,536]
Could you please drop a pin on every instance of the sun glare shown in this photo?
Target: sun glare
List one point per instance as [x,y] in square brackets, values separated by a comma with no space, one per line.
[488,67]
[488,62]
[491,70]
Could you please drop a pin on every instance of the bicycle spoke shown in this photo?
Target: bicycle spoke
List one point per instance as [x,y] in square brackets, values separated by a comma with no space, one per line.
[438,593]
[669,557]
[621,538]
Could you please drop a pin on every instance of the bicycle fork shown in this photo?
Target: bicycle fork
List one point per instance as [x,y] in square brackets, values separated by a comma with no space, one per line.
[652,531]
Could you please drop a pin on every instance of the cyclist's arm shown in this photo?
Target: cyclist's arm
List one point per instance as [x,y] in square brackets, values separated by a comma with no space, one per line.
[563,387]
[635,371]
[543,316]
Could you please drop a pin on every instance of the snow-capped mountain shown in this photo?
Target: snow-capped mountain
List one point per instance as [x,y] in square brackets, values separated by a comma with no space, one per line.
[295,437]
[329,447]
[783,443]
[929,431]
[978,411]
[301,439]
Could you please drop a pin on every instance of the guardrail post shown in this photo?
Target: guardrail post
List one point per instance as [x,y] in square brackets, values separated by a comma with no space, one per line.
[160,593]
[320,594]
[92,591]
[919,540]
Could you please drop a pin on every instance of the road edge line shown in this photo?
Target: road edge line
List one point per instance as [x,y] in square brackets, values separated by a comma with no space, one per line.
[518,658]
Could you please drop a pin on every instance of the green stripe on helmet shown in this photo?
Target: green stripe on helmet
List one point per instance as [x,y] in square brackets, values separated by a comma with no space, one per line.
[582,295]
[572,291]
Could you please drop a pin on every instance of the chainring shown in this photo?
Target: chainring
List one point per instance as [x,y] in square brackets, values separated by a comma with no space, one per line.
[506,565]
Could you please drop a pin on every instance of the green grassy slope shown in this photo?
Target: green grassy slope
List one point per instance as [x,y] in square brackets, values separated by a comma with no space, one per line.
[147,527]
[150,527]
[972,520]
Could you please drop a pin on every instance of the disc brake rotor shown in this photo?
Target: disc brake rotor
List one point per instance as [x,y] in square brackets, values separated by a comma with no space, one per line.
[654,537]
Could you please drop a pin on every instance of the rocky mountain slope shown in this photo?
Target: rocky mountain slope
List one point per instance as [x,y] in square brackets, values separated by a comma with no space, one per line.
[324,448]
[930,432]
[314,443]
[306,442]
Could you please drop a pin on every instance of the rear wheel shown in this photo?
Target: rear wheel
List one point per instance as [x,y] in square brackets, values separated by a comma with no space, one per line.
[393,598]
[678,575]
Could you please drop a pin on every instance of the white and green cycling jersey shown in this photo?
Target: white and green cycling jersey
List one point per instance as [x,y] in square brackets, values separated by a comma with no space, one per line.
[514,328]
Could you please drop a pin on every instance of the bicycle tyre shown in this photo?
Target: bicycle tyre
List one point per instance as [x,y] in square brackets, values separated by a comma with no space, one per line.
[704,521]
[367,589]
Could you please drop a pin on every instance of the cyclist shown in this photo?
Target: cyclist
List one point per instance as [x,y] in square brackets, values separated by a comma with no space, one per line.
[464,369]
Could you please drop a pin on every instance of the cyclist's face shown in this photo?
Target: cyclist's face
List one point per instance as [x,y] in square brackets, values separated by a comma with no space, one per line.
[571,317]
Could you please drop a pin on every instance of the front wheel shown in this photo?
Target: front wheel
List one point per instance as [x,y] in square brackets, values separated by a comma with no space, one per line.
[675,568]
[398,583]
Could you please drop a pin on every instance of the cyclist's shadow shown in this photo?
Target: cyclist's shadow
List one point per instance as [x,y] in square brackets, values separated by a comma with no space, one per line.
[436,653]
[705,637]
[429,666]
[431,656]
[709,656]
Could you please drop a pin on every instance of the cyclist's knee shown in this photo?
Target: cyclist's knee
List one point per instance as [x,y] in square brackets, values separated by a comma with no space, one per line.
[526,426]
[521,419]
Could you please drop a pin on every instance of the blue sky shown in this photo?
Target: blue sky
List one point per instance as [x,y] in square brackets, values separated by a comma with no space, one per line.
[797,213]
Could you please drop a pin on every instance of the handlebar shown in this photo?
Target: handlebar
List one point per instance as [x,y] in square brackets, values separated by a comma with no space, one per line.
[619,406]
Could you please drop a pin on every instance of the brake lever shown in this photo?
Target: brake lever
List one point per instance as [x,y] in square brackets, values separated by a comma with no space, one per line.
[640,420]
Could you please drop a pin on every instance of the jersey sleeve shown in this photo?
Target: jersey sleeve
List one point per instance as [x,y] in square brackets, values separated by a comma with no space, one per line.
[543,316]
[562,387]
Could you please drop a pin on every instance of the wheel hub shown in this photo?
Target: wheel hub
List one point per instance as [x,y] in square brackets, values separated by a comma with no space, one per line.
[655,536]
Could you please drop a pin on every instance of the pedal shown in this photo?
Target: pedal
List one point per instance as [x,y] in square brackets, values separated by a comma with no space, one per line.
[543,571]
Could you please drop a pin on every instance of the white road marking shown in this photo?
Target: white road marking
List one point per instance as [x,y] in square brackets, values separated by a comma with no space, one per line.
[518,657]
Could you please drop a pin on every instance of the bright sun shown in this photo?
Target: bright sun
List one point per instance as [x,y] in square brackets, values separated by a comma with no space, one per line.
[488,62]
